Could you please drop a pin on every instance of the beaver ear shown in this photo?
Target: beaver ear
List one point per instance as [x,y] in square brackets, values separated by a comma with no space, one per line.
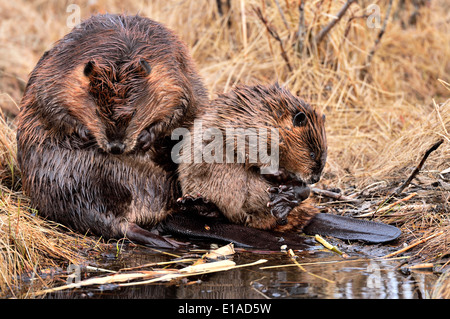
[300,119]
[88,68]
[145,66]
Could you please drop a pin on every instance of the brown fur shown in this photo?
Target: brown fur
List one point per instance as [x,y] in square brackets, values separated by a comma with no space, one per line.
[240,191]
[111,86]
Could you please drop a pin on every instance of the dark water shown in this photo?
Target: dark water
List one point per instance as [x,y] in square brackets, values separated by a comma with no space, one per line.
[327,275]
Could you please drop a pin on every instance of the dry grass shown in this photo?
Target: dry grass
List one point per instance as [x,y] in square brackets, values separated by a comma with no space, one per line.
[28,245]
[379,123]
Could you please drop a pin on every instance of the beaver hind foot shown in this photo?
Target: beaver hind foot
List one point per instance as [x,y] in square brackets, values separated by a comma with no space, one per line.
[143,236]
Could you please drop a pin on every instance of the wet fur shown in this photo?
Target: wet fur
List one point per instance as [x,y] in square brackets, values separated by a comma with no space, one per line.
[93,88]
[239,190]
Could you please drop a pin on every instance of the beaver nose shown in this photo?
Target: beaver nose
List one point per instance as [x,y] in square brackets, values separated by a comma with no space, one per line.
[115,148]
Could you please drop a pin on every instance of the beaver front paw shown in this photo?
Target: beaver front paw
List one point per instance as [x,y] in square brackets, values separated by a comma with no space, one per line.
[284,198]
[145,140]
[81,138]
[198,205]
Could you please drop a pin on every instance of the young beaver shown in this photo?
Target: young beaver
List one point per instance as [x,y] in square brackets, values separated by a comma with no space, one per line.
[95,124]
[243,186]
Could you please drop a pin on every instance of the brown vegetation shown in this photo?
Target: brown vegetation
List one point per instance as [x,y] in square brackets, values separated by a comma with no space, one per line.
[385,92]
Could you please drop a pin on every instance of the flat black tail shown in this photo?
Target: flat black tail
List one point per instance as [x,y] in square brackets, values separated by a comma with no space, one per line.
[348,228]
[192,226]
[195,227]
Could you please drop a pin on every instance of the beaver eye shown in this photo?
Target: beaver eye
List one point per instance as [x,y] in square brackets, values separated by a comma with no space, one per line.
[313,155]
[299,119]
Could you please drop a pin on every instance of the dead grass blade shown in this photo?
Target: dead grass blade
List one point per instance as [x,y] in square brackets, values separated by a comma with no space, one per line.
[293,257]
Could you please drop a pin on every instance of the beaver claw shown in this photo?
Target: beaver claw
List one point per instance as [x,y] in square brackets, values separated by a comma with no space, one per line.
[198,205]
[145,140]
[284,198]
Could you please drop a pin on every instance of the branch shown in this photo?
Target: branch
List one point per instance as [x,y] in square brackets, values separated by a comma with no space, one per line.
[330,25]
[377,41]
[275,35]
[413,245]
[301,26]
[333,195]
[419,167]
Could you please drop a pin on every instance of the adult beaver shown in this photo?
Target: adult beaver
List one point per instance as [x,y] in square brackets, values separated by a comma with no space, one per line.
[95,124]
[225,169]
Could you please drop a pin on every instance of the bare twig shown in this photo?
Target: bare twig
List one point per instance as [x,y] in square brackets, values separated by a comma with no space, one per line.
[419,167]
[333,195]
[294,260]
[327,245]
[319,37]
[395,253]
[301,26]
[275,35]
[377,41]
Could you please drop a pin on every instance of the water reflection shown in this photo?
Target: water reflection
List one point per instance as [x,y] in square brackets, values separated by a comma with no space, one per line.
[341,280]
[325,275]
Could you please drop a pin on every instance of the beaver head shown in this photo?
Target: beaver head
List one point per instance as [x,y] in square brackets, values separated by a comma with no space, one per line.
[126,97]
[303,143]
[111,80]
[300,129]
